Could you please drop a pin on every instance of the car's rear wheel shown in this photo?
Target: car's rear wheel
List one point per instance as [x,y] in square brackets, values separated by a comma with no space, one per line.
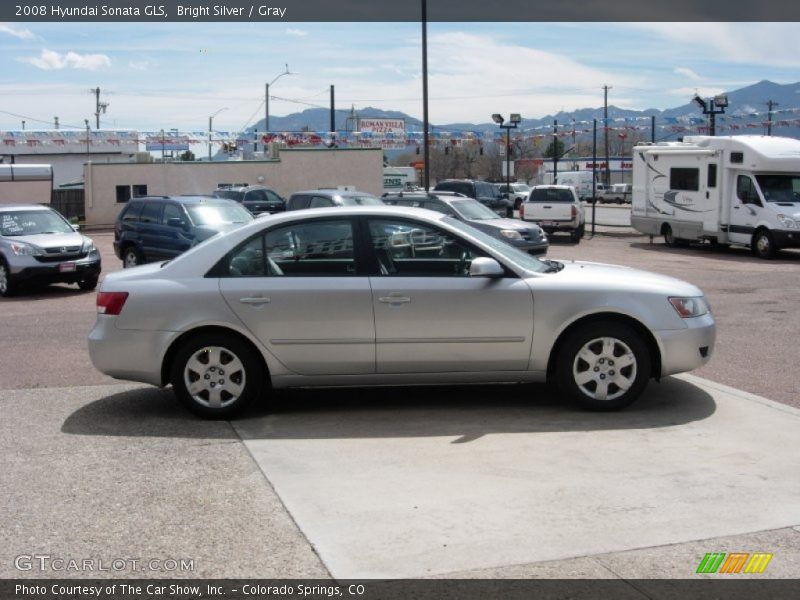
[131,257]
[7,285]
[670,239]
[603,367]
[217,375]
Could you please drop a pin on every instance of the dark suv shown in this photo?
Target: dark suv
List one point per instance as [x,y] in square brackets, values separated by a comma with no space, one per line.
[330,197]
[483,191]
[255,198]
[162,227]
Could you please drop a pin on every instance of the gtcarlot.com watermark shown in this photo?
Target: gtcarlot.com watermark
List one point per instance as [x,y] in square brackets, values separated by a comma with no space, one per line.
[46,562]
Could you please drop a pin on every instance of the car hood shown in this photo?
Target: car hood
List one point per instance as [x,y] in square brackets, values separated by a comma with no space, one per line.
[605,277]
[51,240]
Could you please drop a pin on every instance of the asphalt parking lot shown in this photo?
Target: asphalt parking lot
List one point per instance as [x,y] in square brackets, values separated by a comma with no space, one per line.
[491,481]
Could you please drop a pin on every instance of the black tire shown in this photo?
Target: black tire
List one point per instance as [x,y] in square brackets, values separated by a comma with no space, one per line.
[238,373]
[763,244]
[517,203]
[88,284]
[131,257]
[604,385]
[7,285]
[672,241]
[576,234]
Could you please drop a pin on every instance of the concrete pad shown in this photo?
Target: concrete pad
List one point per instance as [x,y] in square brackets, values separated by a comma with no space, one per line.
[414,483]
[122,472]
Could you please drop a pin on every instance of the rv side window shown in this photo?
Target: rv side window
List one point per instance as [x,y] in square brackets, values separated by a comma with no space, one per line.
[746,191]
[712,176]
[684,179]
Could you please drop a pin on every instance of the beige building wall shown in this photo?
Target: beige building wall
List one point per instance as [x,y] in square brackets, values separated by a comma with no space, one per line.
[294,170]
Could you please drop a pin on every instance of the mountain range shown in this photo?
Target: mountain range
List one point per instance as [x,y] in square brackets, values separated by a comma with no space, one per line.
[742,102]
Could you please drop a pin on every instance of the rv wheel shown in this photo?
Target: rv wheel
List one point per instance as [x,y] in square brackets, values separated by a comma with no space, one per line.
[763,246]
[670,239]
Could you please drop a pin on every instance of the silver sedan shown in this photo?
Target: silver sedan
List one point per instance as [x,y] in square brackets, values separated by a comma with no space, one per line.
[385,295]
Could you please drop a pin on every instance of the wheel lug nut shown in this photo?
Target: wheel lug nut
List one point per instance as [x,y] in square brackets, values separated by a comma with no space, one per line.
[601,361]
[611,373]
[221,372]
[601,377]
[596,369]
[221,381]
[213,384]
[206,376]
[611,363]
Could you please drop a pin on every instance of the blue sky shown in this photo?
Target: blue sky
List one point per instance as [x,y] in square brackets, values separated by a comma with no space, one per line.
[174,75]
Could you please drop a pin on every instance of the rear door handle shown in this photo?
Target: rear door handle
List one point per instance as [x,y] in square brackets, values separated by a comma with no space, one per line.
[255,300]
[394,299]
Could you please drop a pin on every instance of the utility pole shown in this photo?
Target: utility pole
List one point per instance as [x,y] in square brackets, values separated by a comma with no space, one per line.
[425,123]
[653,128]
[99,106]
[333,113]
[555,151]
[770,105]
[56,121]
[605,129]
[23,126]
[266,108]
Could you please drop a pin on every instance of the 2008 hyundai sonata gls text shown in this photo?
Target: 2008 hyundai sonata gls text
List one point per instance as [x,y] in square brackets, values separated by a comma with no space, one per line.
[387,295]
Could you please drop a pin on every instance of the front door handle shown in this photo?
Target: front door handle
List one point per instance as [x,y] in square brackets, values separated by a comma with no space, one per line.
[394,300]
[255,300]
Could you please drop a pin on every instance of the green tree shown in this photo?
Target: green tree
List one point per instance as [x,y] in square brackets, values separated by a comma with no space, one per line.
[187,156]
[555,148]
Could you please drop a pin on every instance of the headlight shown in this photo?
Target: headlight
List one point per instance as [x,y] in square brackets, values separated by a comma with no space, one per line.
[511,234]
[690,307]
[787,222]
[88,246]
[21,249]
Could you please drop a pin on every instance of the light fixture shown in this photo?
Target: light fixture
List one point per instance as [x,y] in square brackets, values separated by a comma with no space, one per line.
[721,100]
[515,118]
[498,118]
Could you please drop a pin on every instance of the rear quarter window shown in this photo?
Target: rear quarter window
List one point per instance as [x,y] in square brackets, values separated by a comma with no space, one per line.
[131,213]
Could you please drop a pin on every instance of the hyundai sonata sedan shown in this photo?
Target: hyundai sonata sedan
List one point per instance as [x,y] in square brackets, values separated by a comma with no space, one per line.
[390,296]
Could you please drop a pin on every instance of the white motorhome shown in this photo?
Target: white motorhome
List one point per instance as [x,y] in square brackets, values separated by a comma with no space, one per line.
[729,190]
[26,184]
[398,179]
[580,180]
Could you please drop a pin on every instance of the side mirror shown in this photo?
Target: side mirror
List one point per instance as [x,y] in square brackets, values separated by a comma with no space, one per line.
[176,222]
[76,227]
[484,266]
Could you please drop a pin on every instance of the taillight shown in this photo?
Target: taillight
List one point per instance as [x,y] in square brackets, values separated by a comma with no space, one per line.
[522,211]
[111,303]
[574,211]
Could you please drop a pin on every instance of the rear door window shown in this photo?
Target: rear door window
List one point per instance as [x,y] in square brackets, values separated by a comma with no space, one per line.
[151,213]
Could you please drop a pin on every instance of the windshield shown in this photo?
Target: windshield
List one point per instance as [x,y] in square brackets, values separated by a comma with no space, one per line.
[219,214]
[473,210]
[32,222]
[364,200]
[506,251]
[520,187]
[780,188]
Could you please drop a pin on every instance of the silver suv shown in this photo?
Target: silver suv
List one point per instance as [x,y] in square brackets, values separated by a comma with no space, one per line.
[38,245]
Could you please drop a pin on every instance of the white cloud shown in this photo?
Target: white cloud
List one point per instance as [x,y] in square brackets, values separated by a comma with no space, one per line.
[16,31]
[139,65]
[686,72]
[768,44]
[296,32]
[688,93]
[50,60]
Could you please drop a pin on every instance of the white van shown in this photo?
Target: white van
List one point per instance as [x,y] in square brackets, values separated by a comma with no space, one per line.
[729,190]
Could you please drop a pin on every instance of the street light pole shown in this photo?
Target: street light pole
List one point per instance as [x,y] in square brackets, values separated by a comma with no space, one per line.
[514,121]
[210,128]
[266,97]
[713,107]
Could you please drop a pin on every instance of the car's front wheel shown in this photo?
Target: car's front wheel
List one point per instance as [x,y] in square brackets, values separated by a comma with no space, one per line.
[7,286]
[217,375]
[88,284]
[603,366]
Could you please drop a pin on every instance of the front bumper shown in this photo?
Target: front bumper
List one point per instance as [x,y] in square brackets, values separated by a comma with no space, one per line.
[687,349]
[786,238]
[64,271]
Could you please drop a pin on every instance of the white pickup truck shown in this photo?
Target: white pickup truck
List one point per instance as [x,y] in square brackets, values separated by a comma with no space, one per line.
[555,208]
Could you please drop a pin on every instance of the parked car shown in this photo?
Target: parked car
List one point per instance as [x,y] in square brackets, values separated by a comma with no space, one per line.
[618,192]
[331,297]
[255,198]
[330,197]
[39,246]
[162,227]
[556,208]
[516,192]
[483,191]
[525,236]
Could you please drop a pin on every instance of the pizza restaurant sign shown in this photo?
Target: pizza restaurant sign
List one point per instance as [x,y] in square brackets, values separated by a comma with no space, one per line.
[382,126]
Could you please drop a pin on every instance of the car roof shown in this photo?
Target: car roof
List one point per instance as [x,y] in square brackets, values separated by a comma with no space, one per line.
[185,199]
[446,197]
[333,192]
[10,207]
[552,187]
[240,188]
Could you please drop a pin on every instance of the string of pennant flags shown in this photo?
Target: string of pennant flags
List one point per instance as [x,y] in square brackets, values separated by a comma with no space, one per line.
[128,139]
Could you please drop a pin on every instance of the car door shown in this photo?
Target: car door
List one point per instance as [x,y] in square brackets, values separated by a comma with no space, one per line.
[431,316]
[150,230]
[744,210]
[298,289]
[173,239]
